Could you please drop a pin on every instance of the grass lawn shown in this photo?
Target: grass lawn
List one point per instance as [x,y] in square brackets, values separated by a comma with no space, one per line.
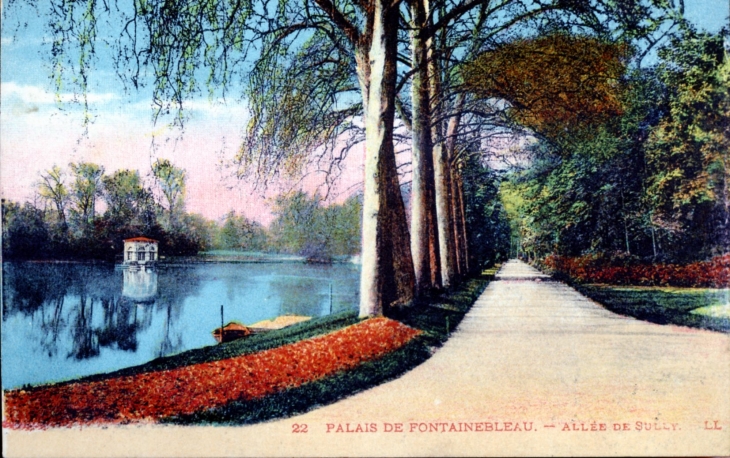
[693,307]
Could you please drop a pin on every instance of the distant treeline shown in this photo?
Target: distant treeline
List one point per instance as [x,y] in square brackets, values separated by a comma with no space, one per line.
[62,222]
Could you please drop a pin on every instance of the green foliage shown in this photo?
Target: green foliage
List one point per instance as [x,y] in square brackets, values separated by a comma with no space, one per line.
[171,181]
[299,222]
[304,226]
[203,231]
[301,101]
[125,197]
[36,233]
[25,234]
[52,188]
[239,233]
[688,151]
[343,223]
[488,229]
[85,189]
[582,203]
[650,183]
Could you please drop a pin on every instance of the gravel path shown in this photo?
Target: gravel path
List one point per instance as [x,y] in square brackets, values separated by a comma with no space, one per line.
[534,368]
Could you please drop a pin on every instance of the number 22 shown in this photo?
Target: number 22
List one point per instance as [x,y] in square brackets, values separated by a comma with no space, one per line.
[299,428]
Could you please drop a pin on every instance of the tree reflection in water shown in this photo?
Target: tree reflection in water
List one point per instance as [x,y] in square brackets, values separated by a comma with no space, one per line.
[171,340]
[52,325]
[176,285]
[41,291]
[85,339]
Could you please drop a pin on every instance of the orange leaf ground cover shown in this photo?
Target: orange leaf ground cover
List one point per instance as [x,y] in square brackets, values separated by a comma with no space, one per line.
[714,273]
[151,396]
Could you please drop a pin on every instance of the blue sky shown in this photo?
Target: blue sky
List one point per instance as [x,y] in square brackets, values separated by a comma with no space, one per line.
[38,132]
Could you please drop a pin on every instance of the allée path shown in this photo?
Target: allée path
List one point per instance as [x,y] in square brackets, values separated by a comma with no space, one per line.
[534,368]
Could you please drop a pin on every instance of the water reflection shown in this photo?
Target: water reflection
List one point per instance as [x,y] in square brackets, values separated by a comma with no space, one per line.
[140,285]
[51,325]
[301,296]
[172,339]
[61,321]
[120,324]
[71,312]
[85,337]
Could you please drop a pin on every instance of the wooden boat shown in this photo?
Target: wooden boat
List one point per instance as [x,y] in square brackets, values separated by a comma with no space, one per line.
[232,331]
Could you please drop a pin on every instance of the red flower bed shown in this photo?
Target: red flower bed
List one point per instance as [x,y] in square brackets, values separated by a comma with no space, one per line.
[593,269]
[150,396]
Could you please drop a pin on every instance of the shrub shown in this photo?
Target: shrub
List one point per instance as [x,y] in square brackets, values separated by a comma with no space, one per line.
[600,269]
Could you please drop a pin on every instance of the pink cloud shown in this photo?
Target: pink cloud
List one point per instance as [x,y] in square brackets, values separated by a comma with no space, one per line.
[33,142]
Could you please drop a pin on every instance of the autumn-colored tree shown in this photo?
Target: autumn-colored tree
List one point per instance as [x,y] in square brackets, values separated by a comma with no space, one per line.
[557,85]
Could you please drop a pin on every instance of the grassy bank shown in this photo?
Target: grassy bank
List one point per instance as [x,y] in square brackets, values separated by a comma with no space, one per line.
[692,307]
[437,317]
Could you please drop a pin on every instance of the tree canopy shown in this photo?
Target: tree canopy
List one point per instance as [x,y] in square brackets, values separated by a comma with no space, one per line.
[556,85]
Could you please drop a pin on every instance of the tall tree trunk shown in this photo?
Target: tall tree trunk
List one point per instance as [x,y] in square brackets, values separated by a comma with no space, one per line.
[387,269]
[455,226]
[626,226]
[462,225]
[61,213]
[455,205]
[442,176]
[424,239]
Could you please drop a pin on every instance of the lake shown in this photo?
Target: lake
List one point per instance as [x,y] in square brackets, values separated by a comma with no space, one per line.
[62,321]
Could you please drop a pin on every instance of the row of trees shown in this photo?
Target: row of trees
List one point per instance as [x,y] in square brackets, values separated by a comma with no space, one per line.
[325,72]
[651,181]
[405,58]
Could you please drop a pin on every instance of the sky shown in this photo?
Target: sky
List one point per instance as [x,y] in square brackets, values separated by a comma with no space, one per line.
[37,131]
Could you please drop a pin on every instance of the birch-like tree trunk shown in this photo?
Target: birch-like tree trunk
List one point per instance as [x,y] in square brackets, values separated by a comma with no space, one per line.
[442,175]
[424,238]
[458,239]
[387,269]
[462,224]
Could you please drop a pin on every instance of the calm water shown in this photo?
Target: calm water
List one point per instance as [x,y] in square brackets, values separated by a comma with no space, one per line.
[62,321]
